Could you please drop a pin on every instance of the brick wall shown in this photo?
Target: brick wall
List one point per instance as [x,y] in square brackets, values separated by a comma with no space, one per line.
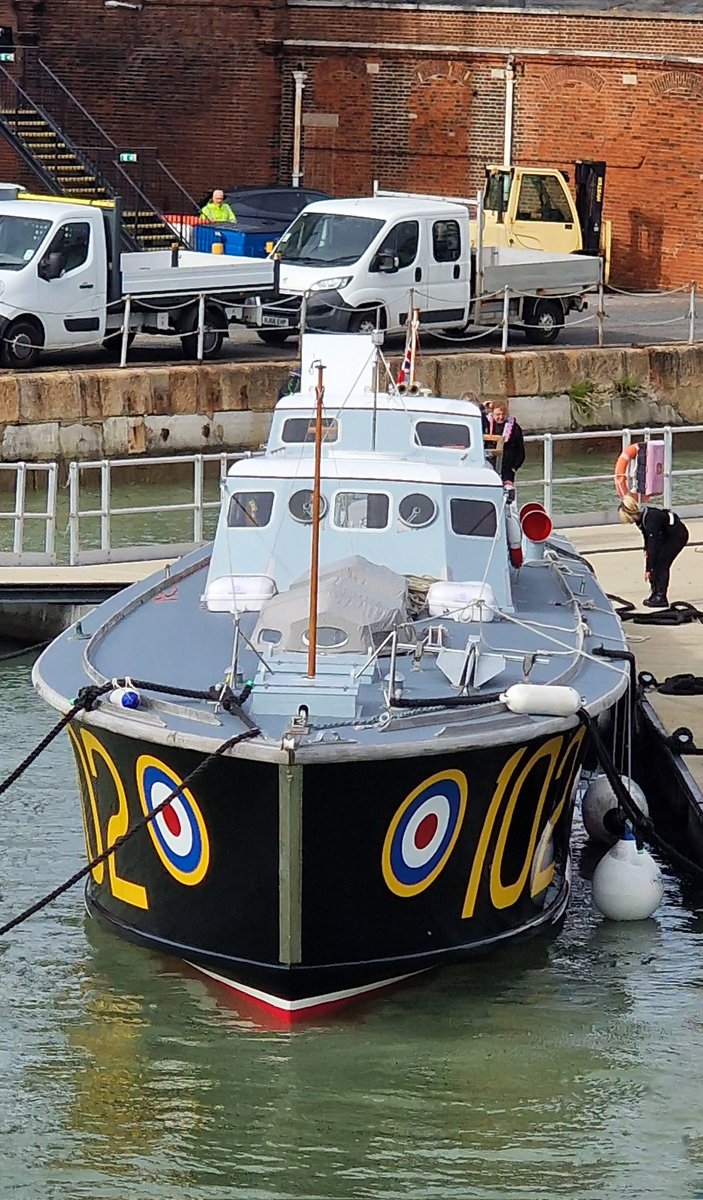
[411,98]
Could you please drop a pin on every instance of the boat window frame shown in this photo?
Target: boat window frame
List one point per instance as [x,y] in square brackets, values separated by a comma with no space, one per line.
[424,420]
[360,491]
[471,500]
[326,441]
[252,491]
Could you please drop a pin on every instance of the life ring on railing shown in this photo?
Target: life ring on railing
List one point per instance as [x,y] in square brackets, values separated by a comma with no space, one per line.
[514,537]
[625,469]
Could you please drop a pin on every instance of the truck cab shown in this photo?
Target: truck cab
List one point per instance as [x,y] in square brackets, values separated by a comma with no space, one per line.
[53,261]
[365,261]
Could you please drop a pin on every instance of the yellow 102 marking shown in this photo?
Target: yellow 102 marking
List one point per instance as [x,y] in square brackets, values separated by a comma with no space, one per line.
[118,824]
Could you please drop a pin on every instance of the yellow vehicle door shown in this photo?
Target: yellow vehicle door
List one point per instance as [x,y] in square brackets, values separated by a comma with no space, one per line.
[541,214]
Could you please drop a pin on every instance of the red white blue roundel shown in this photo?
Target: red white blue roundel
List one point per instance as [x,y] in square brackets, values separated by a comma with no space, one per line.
[178,832]
[423,831]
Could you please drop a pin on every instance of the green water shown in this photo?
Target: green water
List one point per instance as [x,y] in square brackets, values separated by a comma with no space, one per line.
[563,1069]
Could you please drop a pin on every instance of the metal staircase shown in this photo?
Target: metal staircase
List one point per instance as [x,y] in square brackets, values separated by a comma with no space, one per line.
[72,155]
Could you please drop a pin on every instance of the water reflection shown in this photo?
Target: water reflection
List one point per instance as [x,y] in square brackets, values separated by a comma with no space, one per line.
[558,1069]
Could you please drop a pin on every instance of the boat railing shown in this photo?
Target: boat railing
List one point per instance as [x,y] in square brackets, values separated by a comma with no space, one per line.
[105,512]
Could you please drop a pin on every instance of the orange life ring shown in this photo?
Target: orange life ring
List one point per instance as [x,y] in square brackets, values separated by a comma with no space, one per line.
[622,469]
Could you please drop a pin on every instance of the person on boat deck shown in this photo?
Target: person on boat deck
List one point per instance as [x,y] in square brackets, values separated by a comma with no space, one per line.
[499,422]
[218,210]
[665,536]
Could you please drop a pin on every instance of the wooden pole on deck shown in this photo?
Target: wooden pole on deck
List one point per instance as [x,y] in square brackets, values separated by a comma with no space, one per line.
[315,553]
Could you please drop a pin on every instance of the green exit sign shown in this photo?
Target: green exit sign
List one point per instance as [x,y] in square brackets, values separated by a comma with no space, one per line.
[7,56]
[128,156]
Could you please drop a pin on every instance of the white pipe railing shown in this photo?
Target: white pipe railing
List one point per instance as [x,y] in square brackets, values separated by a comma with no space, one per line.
[106,511]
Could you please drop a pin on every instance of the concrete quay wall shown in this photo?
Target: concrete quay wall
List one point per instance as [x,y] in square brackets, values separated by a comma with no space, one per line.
[110,412]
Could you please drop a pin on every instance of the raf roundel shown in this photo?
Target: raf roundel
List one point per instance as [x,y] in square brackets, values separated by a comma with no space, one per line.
[423,832]
[178,832]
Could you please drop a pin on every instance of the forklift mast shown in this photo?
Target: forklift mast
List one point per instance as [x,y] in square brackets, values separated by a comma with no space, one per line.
[590,193]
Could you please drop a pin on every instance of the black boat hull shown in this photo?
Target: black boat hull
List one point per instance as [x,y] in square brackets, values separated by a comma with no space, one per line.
[303,887]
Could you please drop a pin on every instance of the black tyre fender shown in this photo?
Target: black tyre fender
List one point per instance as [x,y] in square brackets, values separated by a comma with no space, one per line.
[22,342]
[544,321]
[214,333]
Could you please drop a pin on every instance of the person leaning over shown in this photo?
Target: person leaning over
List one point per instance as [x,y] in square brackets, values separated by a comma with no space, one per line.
[665,536]
[217,211]
[512,456]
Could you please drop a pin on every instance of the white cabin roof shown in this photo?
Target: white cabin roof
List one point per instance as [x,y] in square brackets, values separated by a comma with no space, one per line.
[377,468]
[49,210]
[412,406]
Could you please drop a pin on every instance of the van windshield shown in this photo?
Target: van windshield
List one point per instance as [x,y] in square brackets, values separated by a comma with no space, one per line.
[319,239]
[20,238]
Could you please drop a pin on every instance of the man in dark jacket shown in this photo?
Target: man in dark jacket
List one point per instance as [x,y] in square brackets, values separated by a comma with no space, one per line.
[509,459]
[665,536]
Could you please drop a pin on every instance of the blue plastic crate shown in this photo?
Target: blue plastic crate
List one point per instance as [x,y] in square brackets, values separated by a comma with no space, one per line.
[236,241]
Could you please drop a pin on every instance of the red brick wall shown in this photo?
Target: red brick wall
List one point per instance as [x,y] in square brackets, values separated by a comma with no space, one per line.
[411,98]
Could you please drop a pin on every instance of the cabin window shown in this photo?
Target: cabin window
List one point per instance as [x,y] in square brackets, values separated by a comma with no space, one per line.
[70,245]
[443,435]
[446,241]
[417,510]
[300,506]
[542,199]
[473,518]
[302,429]
[249,510]
[361,510]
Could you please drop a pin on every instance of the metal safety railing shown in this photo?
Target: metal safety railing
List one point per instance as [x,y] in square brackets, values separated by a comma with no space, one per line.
[24,512]
[95,500]
[550,480]
[107,511]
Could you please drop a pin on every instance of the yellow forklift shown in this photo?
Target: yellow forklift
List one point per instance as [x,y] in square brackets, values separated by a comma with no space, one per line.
[532,208]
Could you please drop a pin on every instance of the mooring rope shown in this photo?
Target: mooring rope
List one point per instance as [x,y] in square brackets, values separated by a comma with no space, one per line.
[120,841]
[643,826]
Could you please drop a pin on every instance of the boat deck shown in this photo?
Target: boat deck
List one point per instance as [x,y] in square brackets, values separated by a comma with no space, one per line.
[615,551]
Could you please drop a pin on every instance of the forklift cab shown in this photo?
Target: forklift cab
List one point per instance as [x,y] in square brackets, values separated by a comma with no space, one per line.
[530,209]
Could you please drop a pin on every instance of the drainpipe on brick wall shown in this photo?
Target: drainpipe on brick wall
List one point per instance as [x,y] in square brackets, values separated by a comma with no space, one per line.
[299,78]
[509,111]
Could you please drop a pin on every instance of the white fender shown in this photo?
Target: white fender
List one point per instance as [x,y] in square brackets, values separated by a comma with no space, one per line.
[514,529]
[542,700]
[599,798]
[627,883]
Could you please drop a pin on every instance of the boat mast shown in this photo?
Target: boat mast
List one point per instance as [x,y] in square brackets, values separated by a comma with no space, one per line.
[315,552]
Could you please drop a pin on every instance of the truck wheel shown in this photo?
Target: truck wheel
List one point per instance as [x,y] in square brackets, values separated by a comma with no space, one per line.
[273,337]
[544,322]
[213,336]
[21,344]
[367,320]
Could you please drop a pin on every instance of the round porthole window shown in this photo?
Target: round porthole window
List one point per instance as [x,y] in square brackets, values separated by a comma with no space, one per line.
[417,510]
[300,506]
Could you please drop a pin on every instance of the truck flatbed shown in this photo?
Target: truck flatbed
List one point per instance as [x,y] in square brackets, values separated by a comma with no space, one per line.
[538,271]
[148,272]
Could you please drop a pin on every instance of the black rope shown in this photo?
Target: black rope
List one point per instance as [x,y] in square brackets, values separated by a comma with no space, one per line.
[643,826]
[445,701]
[24,650]
[85,700]
[120,841]
[678,613]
